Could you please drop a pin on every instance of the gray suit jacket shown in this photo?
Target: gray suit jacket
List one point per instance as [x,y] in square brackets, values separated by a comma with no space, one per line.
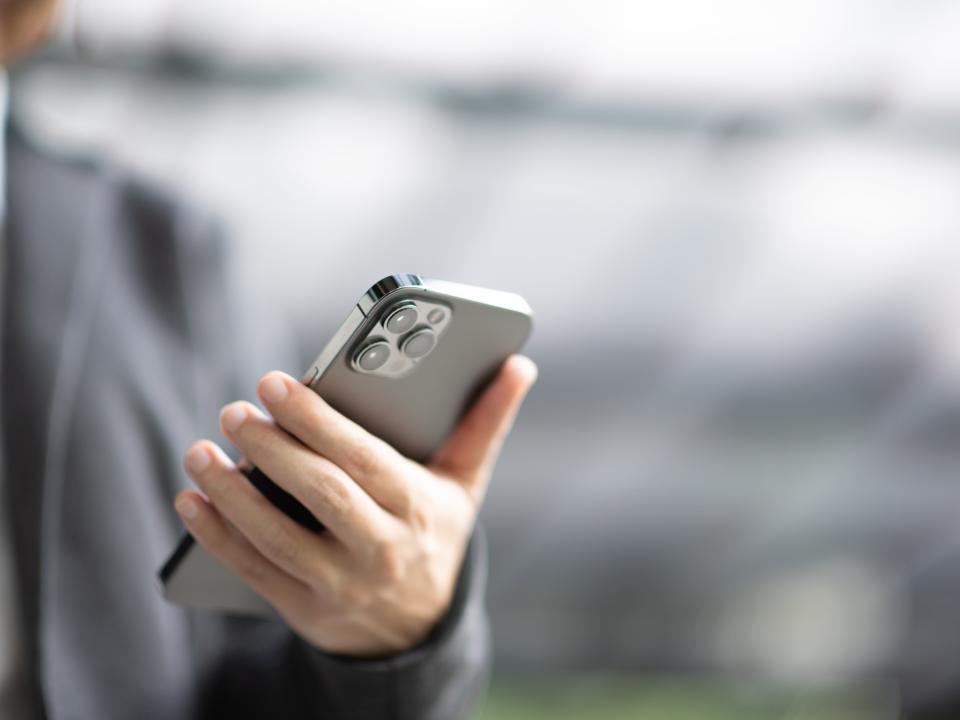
[118,349]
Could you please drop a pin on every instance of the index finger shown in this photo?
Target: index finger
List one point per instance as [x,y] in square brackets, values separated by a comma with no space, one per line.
[372,463]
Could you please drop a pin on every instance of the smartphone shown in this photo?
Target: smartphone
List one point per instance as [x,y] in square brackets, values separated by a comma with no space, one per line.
[406,365]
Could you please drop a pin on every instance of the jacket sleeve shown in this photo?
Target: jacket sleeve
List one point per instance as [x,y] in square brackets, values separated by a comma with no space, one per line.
[271,672]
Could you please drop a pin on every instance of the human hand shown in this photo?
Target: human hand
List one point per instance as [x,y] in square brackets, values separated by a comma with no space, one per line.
[385,571]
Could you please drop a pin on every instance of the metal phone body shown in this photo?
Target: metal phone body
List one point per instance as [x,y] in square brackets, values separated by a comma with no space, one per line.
[406,381]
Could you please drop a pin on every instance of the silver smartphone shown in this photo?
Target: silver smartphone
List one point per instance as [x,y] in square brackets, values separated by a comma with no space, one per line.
[407,363]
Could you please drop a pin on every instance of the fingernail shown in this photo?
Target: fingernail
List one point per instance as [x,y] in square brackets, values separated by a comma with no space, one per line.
[273,389]
[186,507]
[232,417]
[531,369]
[197,460]
[536,372]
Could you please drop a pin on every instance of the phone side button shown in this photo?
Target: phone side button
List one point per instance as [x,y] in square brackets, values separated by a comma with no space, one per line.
[312,374]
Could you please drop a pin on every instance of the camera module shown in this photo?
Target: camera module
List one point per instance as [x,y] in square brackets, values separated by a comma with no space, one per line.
[399,336]
[373,356]
[401,319]
[419,344]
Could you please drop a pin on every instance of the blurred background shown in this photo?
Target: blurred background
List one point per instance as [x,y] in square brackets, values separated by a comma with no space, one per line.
[734,491]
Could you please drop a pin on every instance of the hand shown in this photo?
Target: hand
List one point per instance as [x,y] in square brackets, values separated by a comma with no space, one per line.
[385,571]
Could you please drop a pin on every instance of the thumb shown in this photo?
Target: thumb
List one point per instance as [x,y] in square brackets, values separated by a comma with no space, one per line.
[471,451]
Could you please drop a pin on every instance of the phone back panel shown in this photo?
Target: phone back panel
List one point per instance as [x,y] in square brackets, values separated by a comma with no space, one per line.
[416,412]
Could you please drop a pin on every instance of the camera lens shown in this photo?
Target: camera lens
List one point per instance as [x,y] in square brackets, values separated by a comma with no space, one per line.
[401,319]
[373,357]
[419,344]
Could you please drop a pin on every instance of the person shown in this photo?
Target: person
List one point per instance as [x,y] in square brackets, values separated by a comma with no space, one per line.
[119,345]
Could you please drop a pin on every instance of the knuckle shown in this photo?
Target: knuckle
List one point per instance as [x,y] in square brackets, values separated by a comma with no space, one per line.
[252,569]
[387,562]
[404,501]
[420,517]
[413,508]
[309,411]
[327,492]
[257,436]
[216,484]
[278,544]
[364,457]
[417,505]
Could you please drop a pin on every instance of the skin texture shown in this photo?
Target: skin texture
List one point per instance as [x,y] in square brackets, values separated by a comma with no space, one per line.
[23,25]
[385,571]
